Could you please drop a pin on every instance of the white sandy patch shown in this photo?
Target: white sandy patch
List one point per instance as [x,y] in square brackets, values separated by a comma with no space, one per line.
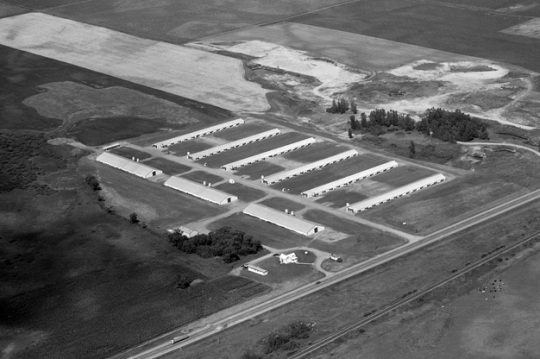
[529,28]
[194,74]
[334,77]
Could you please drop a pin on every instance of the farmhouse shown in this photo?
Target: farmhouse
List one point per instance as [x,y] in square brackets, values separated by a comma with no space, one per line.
[133,167]
[199,133]
[234,144]
[281,176]
[288,258]
[199,190]
[262,156]
[396,193]
[255,269]
[349,179]
[282,219]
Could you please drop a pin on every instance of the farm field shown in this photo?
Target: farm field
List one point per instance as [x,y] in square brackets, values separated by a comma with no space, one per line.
[279,274]
[405,22]
[374,289]
[182,148]
[149,63]
[282,203]
[242,131]
[244,193]
[200,176]
[262,168]
[339,198]
[174,21]
[168,167]
[329,173]
[253,149]
[403,175]
[155,204]
[269,234]
[10,10]
[129,152]
[315,152]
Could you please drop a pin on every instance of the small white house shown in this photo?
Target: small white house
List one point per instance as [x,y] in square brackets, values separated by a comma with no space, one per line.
[288,258]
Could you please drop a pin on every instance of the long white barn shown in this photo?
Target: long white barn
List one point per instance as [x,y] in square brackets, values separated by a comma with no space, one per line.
[200,191]
[281,176]
[396,193]
[124,164]
[262,156]
[234,144]
[282,219]
[199,133]
[349,179]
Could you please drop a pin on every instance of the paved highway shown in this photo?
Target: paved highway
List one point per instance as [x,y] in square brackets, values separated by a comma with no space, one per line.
[352,327]
[162,345]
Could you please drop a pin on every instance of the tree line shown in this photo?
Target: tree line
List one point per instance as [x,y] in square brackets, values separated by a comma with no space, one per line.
[448,126]
[228,243]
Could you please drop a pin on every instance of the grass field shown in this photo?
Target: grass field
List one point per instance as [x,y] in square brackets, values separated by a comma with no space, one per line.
[315,152]
[167,166]
[398,21]
[200,176]
[403,175]
[11,10]
[340,197]
[278,273]
[262,168]
[329,173]
[253,149]
[153,64]
[269,234]
[244,193]
[182,148]
[375,289]
[242,131]
[282,203]
[129,152]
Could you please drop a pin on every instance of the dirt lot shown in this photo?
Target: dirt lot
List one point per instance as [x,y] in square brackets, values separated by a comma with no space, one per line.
[244,193]
[149,63]
[200,176]
[315,152]
[263,168]
[403,175]
[168,167]
[242,131]
[281,204]
[129,152]
[374,289]
[340,197]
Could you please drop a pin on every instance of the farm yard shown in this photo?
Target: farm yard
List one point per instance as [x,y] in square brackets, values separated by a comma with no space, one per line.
[242,131]
[282,204]
[279,275]
[167,166]
[201,176]
[129,152]
[244,193]
[315,152]
[262,168]
[339,198]
[182,148]
[403,175]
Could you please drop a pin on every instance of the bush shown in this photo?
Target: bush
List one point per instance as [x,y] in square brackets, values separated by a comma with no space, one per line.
[93,182]
[182,282]
[133,218]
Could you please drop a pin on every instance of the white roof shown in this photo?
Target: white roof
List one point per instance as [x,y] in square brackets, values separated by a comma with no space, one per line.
[233,144]
[127,165]
[309,167]
[397,192]
[267,154]
[350,179]
[282,219]
[199,190]
[199,133]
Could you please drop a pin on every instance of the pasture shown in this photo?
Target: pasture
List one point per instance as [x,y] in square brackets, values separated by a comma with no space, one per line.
[129,152]
[462,30]
[253,149]
[10,10]
[282,204]
[262,168]
[244,193]
[200,176]
[315,152]
[182,148]
[329,173]
[402,175]
[167,166]
[339,198]
[178,70]
[242,131]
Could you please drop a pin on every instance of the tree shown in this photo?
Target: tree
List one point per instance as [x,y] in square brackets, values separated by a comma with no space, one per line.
[354,107]
[412,149]
[133,218]
[93,182]
[353,122]
[182,282]
[350,133]
[363,120]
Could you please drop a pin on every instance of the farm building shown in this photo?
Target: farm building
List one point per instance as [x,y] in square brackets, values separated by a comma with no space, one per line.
[262,156]
[199,190]
[133,167]
[282,219]
[281,176]
[234,144]
[111,147]
[396,193]
[199,133]
[349,179]
[288,258]
[255,269]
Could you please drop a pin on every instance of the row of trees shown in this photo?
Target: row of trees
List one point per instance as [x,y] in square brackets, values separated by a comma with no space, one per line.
[225,242]
[341,106]
[449,126]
